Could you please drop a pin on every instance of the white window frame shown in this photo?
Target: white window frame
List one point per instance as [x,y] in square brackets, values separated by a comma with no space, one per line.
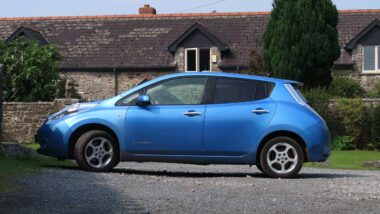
[197,59]
[377,63]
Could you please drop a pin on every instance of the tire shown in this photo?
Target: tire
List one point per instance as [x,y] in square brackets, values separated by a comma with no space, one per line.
[96,151]
[281,157]
[258,166]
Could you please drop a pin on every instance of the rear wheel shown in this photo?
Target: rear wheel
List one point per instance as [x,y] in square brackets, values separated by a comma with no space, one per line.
[281,157]
[96,151]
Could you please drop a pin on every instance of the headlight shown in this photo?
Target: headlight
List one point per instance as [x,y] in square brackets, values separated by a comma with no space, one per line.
[65,111]
[71,109]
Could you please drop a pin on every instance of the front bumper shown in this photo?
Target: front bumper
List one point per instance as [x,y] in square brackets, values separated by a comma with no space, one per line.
[53,140]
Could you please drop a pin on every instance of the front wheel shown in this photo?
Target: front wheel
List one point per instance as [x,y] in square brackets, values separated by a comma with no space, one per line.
[281,157]
[96,151]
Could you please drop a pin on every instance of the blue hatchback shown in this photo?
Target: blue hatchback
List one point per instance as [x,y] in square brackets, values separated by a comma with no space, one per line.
[197,118]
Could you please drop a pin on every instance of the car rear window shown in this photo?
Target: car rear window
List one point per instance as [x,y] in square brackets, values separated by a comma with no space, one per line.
[296,93]
[229,90]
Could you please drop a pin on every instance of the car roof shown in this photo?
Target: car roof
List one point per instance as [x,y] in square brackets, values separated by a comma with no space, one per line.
[231,75]
[209,74]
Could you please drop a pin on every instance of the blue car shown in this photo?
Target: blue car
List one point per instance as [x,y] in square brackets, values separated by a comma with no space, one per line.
[196,118]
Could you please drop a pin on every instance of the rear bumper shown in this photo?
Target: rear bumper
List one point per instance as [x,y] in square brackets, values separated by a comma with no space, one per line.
[52,138]
[318,141]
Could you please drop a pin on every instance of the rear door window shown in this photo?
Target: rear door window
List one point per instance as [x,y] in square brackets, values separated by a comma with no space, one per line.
[230,90]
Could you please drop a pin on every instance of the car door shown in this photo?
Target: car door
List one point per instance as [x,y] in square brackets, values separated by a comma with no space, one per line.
[173,123]
[238,113]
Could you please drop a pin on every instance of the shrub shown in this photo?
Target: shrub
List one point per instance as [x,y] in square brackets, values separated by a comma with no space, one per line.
[319,99]
[352,114]
[346,87]
[375,92]
[375,129]
[30,70]
[256,64]
[342,143]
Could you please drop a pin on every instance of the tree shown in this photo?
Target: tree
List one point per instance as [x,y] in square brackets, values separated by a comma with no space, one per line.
[301,41]
[30,70]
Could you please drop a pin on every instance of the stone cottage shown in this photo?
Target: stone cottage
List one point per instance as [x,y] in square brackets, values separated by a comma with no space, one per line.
[109,54]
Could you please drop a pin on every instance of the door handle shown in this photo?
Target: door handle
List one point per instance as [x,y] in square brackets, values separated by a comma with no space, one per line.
[192,113]
[260,111]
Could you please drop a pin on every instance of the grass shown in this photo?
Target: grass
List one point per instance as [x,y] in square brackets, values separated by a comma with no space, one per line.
[349,160]
[23,165]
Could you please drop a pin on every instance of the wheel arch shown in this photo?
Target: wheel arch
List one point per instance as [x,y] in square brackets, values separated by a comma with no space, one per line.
[85,128]
[283,133]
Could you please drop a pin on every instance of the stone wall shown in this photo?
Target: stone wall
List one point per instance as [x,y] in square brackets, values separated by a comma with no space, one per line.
[369,102]
[127,80]
[22,119]
[215,66]
[98,85]
[179,59]
[93,85]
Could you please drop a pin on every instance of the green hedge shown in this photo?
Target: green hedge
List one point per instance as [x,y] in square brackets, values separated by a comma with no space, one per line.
[346,87]
[374,141]
[352,124]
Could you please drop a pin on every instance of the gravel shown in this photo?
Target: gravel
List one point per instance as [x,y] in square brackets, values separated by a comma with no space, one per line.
[178,188]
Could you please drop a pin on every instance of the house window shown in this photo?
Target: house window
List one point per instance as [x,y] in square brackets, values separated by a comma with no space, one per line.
[197,59]
[371,58]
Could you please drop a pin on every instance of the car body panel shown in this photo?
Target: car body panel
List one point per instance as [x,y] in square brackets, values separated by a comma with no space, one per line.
[164,130]
[232,132]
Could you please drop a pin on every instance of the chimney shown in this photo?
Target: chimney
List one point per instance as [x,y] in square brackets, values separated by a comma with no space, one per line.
[147,10]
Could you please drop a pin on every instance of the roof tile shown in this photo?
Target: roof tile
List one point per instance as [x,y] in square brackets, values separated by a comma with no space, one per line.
[135,40]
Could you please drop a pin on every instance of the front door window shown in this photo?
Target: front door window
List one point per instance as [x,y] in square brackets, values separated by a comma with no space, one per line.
[181,91]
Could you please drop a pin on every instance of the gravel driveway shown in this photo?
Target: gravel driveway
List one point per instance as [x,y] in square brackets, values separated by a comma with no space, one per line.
[177,188]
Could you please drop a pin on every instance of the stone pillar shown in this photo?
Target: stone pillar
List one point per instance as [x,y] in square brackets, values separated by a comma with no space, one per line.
[1,99]
[218,56]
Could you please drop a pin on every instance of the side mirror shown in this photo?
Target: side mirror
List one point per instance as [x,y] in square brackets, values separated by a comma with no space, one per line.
[143,100]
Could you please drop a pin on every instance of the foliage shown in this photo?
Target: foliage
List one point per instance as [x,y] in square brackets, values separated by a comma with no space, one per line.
[30,70]
[346,87]
[319,99]
[342,143]
[375,92]
[301,41]
[375,129]
[352,114]
[352,124]
[256,64]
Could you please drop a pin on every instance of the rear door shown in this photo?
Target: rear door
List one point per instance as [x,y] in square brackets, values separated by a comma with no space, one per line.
[239,112]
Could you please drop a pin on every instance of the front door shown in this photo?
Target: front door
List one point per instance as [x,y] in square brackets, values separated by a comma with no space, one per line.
[173,123]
